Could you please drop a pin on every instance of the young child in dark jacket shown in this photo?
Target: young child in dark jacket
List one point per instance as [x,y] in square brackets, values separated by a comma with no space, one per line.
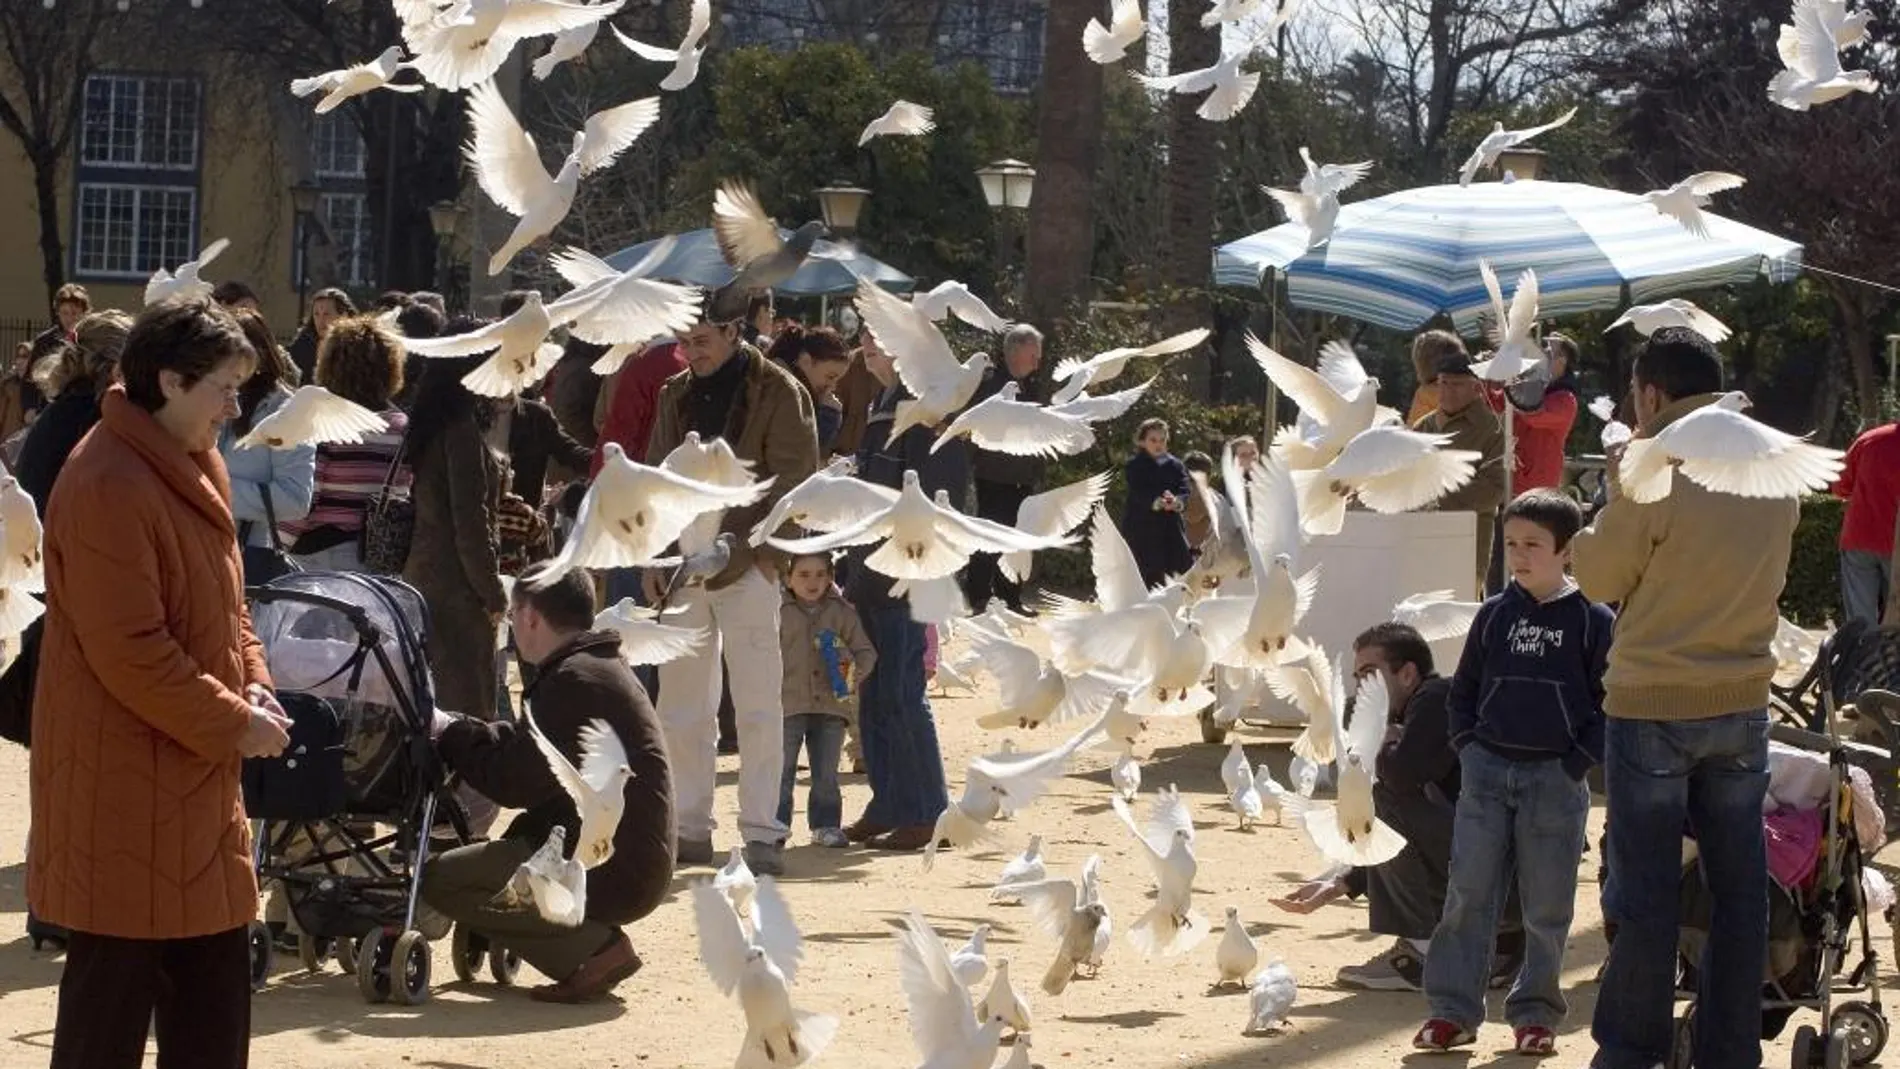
[1526,717]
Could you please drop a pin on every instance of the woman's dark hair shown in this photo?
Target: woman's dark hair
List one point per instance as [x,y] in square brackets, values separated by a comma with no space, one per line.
[188,336]
[273,368]
[86,362]
[441,399]
[822,344]
[360,361]
[231,291]
[344,305]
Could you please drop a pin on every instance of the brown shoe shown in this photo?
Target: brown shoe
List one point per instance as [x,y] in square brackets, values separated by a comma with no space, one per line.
[908,838]
[596,977]
[863,831]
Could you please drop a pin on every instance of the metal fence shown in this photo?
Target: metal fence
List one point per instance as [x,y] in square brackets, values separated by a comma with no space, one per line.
[15,331]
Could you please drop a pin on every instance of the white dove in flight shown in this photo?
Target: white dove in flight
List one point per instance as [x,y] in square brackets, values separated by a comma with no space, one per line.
[1436,615]
[829,499]
[1647,319]
[355,80]
[628,308]
[939,384]
[1228,87]
[943,1024]
[903,119]
[1002,424]
[1070,912]
[598,787]
[1053,514]
[467,43]
[1171,926]
[1721,448]
[1517,353]
[644,639]
[954,298]
[522,353]
[1110,43]
[1106,366]
[1810,49]
[988,782]
[185,281]
[311,416]
[1389,469]
[1685,200]
[1337,401]
[761,969]
[1500,139]
[1348,832]
[685,59]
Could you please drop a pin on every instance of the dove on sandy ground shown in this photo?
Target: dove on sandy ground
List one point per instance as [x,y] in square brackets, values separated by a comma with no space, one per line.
[943,1024]
[1647,319]
[1810,51]
[970,962]
[1273,793]
[549,883]
[988,782]
[1236,956]
[355,80]
[522,353]
[1109,364]
[750,241]
[1685,200]
[454,53]
[1615,431]
[1002,424]
[630,309]
[903,119]
[1002,1002]
[1387,469]
[1125,775]
[1721,448]
[1067,911]
[1053,514]
[950,676]
[311,416]
[685,59]
[507,163]
[1027,867]
[920,538]
[1110,43]
[567,45]
[1349,832]
[184,282]
[940,385]
[696,568]
[1271,998]
[1171,926]
[1500,139]
[1337,402]
[1517,353]
[1033,692]
[829,499]
[1436,615]
[736,882]
[1019,1054]
[932,601]
[632,512]
[1333,178]
[598,787]
[953,298]
[644,640]
[1228,85]
[1234,767]
[760,969]
[1246,803]
[1317,212]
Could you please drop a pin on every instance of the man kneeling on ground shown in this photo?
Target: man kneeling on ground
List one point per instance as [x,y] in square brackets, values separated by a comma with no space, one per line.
[1417,794]
[580,678]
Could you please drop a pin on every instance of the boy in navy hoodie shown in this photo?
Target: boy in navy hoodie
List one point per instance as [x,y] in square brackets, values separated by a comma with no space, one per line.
[1526,717]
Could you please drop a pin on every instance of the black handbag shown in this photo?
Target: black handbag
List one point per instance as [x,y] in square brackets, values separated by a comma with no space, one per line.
[16,686]
[306,781]
[389,522]
[264,563]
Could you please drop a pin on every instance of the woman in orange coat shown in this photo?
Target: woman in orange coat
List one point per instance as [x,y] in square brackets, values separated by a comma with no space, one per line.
[151,689]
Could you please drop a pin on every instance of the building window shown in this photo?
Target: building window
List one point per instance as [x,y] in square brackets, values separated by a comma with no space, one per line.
[337,146]
[346,218]
[135,208]
[130,231]
[140,122]
[341,247]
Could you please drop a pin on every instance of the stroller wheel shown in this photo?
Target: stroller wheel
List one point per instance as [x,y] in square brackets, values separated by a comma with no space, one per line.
[467,950]
[345,949]
[1805,1051]
[1682,1048]
[1834,1050]
[1863,1028]
[503,964]
[372,966]
[312,951]
[261,951]
[409,966]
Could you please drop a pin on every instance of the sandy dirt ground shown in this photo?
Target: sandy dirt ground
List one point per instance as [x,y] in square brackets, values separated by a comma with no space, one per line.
[1139,1013]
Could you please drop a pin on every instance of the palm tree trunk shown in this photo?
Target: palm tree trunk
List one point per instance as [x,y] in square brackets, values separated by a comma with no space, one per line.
[1069,142]
[1190,178]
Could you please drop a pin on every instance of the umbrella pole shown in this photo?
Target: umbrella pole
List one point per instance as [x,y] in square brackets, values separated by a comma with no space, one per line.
[824,309]
[1509,460]
[1273,391]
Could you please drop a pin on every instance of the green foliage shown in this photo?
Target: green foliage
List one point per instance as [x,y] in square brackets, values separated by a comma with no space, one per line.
[789,122]
[1812,596]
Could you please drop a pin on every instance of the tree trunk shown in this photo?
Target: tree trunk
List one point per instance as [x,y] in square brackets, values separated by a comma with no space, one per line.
[46,193]
[1069,143]
[1190,177]
[1857,338]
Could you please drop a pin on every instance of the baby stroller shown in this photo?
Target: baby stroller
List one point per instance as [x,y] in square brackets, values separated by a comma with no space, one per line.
[1858,673]
[1814,921]
[345,816]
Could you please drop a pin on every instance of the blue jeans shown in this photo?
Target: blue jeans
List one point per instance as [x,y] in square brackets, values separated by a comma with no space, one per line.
[1864,585]
[1527,815]
[1711,774]
[822,737]
[895,726]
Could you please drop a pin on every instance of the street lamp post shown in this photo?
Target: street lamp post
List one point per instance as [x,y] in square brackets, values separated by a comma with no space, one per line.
[305,197]
[445,218]
[1007,185]
[841,204]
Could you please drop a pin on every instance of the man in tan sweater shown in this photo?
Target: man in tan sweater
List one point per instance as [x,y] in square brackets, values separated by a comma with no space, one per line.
[1697,577]
[1462,413]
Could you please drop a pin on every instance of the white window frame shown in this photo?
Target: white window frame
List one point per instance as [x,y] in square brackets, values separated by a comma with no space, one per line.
[139,84]
[324,127]
[166,258]
[355,252]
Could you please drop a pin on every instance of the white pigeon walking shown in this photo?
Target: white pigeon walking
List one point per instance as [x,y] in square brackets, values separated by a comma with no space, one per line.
[1052,514]
[1271,998]
[1027,867]
[470,41]
[1236,956]
[507,162]
[953,298]
[970,962]
[1721,448]
[1516,353]
[1001,1002]
[1125,775]
[1273,794]
[1234,768]
[1685,200]
[355,80]
[736,881]
[598,787]
[988,782]
[550,883]
[185,282]
[1500,139]
[1810,49]
[313,415]
[1069,912]
[1171,926]
[760,969]
[1647,319]
[903,119]
[1126,28]
[1349,832]
[943,1024]
[685,59]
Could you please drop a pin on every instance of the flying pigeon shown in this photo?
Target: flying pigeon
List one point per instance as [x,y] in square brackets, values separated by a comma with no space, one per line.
[904,119]
[1110,44]
[311,416]
[1722,449]
[185,282]
[340,85]
[750,241]
[686,57]
[1647,319]
[1500,139]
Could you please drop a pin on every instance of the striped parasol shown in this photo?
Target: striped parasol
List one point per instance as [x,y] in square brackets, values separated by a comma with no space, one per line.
[1401,259]
[833,268]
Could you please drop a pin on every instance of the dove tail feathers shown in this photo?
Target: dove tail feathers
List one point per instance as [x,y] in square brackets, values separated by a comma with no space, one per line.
[1381,846]
[1056,980]
[1322,512]
[801,1044]
[1159,934]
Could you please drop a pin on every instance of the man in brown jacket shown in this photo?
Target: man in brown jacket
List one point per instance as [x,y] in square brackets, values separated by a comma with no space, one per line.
[731,391]
[1697,577]
[580,679]
[1473,426]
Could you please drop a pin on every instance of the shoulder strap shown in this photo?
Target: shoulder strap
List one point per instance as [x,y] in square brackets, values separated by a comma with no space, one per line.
[395,462]
[270,517]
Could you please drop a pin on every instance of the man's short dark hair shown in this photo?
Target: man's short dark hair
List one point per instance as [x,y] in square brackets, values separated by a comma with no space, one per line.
[512,301]
[1680,363]
[1195,460]
[567,604]
[1398,645]
[420,320]
[1553,510]
[389,300]
[231,291]
[430,298]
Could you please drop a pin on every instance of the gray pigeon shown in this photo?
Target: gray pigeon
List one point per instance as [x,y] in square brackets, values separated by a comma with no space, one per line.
[750,241]
[699,567]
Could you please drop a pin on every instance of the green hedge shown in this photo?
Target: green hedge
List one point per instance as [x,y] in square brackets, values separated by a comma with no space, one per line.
[1812,597]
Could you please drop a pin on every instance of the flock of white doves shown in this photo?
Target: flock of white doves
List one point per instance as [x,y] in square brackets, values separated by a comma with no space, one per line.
[1130,654]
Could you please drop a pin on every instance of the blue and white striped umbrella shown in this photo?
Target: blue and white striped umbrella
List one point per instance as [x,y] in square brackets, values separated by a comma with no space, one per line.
[1401,259]
[833,268]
